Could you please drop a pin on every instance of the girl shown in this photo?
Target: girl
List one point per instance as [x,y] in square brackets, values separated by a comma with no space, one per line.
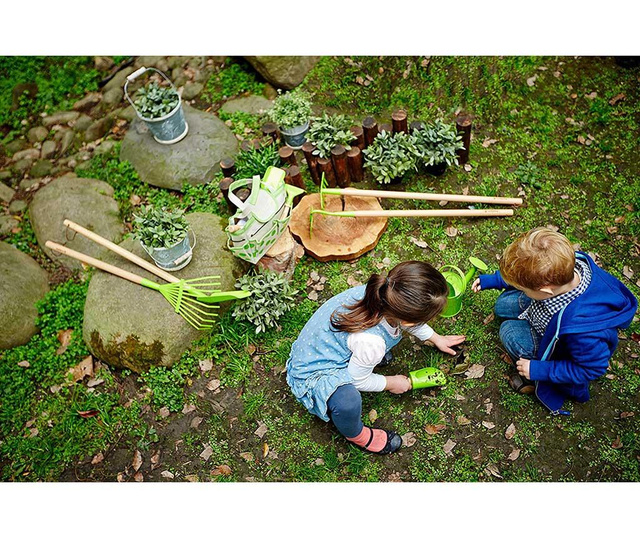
[333,358]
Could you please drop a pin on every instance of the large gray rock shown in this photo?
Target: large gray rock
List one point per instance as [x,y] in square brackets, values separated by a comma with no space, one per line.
[284,72]
[60,118]
[252,104]
[88,202]
[195,159]
[130,326]
[118,79]
[22,283]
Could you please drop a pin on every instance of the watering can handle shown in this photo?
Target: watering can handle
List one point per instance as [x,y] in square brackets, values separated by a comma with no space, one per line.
[454,267]
[255,184]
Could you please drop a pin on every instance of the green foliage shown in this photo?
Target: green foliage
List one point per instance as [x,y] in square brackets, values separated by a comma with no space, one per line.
[390,156]
[328,131]
[60,81]
[25,240]
[437,143]
[242,123]
[271,296]
[255,161]
[154,101]
[528,173]
[237,78]
[291,109]
[167,384]
[157,228]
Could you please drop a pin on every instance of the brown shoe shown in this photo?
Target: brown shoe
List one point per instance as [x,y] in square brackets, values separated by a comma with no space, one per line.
[520,384]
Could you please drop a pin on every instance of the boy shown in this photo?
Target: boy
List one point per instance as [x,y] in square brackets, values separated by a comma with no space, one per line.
[561,315]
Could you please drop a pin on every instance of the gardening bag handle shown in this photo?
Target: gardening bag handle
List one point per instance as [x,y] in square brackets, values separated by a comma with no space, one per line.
[141,71]
[255,184]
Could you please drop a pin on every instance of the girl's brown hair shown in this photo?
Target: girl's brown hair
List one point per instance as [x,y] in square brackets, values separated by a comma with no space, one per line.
[413,292]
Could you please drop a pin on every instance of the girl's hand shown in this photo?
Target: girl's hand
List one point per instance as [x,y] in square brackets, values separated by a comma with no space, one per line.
[476,285]
[444,343]
[397,384]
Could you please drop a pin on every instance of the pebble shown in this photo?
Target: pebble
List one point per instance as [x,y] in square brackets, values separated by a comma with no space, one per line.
[37,134]
[113,97]
[60,118]
[66,140]
[6,193]
[31,153]
[7,223]
[23,165]
[82,123]
[192,90]
[17,206]
[88,102]
[41,168]
[48,149]
[98,129]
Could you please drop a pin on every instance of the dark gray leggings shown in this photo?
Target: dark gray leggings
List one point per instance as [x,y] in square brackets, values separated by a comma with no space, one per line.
[345,410]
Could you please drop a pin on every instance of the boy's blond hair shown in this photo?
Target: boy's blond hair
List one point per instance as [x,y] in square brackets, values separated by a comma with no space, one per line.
[538,258]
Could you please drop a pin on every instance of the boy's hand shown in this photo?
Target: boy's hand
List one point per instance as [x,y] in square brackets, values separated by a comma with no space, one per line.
[397,384]
[444,343]
[476,285]
[523,367]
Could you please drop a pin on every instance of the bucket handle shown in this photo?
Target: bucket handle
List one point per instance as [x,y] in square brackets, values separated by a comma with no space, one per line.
[179,260]
[255,184]
[140,72]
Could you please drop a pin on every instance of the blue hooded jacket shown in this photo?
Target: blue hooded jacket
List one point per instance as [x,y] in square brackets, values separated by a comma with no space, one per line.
[580,338]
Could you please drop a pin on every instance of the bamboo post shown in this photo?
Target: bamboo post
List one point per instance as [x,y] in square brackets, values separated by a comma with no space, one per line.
[463,126]
[416,126]
[294,177]
[312,161]
[370,128]
[270,129]
[340,166]
[288,156]
[354,160]
[228,167]
[326,166]
[399,119]
[358,132]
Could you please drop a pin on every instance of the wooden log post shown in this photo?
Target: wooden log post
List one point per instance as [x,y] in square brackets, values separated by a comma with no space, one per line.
[399,120]
[416,126]
[340,166]
[386,127]
[326,166]
[370,128]
[294,177]
[228,167]
[287,156]
[243,194]
[463,126]
[358,132]
[355,163]
[312,161]
[246,145]
[271,130]
[224,189]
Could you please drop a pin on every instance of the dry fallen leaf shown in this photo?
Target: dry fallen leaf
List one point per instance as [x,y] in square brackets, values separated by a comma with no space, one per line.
[488,141]
[353,281]
[188,408]
[488,425]
[206,453]
[24,364]
[82,369]
[493,470]
[135,200]
[265,450]
[510,431]
[206,365]
[64,337]
[532,80]
[155,460]
[627,271]
[98,458]
[409,439]
[136,463]
[88,414]
[221,470]
[164,412]
[261,431]
[196,422]
[418,242]
[475,371]
[448,447]
[627,414]
[214,384]
[138,477]
[120,477]
[442,246]
[167,474]
[94,382]
[433,429]
[467,167]
[462,420]
[313,295]
[514,455]
[191,478]
[591,95]
[616,99]
[373,415]
[451,231]
[247,456]
[617,443]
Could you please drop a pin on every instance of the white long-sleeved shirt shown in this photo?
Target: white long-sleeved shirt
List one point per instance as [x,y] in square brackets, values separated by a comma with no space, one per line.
[367,350]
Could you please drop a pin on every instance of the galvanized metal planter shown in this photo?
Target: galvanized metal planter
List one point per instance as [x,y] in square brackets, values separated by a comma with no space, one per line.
[171,127]
[296,136]
[175,257]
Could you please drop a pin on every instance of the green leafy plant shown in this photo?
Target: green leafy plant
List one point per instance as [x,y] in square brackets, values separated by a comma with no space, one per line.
[241,123]
[437,143]
[237,78]
[327,131]
[390,156]
[528,174]
[256,161]
[157,228]
[271,296]
[291,109]
[154,101]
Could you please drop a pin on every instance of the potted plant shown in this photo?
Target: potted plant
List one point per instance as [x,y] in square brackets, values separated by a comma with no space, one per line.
[164,235]
[327,131]
[292,111]
[390,157]
[436,146]
[160,108]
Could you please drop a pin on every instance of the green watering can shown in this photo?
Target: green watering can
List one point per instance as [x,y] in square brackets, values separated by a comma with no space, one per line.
[457,282]
[427,377]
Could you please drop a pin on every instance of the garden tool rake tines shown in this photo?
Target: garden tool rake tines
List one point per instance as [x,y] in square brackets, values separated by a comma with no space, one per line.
[206,289]
[180,295]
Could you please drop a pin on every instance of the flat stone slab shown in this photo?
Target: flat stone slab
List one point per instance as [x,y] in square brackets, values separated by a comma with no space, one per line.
[252,104]
[194,160]
[22,283]
[88,202]
[285,72]
[130,326]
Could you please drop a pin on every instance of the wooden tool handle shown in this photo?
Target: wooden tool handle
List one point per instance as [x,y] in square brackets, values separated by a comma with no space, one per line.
[93,262]
[433,213]
[432,196]
[121,251]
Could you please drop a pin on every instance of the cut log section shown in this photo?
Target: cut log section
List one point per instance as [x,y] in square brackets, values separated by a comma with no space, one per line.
[336,238]
[283,256]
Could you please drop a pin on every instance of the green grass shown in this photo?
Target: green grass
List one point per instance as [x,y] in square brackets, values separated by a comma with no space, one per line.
[234,79]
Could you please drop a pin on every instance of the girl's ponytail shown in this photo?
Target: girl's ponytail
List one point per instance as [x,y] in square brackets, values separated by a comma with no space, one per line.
[365,313]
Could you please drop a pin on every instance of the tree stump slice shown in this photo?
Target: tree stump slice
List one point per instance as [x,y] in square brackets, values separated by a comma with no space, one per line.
[337,238]
[283,256]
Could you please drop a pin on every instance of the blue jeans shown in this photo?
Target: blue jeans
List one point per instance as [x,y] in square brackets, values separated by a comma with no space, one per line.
[345,410]
[519,338]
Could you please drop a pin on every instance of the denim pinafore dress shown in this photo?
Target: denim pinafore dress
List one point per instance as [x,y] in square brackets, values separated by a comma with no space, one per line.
[319,357]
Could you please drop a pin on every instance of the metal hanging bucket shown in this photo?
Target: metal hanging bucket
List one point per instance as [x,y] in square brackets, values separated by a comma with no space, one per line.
[175,257]
[171,127]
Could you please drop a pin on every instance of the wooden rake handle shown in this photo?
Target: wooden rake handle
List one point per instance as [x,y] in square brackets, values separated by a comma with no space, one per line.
[56,247]
[350,191]
[121,251]
[420,213]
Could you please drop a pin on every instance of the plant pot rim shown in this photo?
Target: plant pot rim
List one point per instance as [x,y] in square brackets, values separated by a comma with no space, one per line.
[168,248]
[162,118]
[288,131]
